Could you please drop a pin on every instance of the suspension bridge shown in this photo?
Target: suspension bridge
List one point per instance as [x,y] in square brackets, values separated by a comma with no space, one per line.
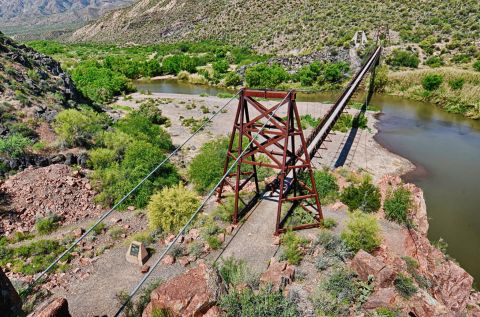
[275,132]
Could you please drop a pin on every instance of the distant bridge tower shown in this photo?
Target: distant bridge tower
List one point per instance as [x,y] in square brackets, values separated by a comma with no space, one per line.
[360,39]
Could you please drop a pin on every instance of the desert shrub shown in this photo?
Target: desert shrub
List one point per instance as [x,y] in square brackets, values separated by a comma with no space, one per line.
[346,121]
[334,296]
[432,82]
[78,127]
[403,58]
[183,75]
[150,110]
[116,232]
[292,247]
[234,272]
[99,83]
[333,245]
[456,84]
[264,76]
[102,158]
[220,66]
[326,183]
[206,168]
[170,208]
[214,242]
[381,78]
[476,66]
[362,232]
[176,63]
[365,197]
[266,302]
[14,145]
[434,61]
[48,224]
[404,285]
[329,223]
[232,79]
[309,121]
[397,206]
[387,312]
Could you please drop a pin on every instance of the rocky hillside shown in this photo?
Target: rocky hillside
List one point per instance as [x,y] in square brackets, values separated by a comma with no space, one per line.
[32,16]
[288,26]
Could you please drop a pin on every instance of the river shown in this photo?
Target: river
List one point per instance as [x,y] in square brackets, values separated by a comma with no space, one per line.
[444,147]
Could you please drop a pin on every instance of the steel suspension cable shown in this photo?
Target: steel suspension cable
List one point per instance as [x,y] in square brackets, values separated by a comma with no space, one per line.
[210,194]
[106,214]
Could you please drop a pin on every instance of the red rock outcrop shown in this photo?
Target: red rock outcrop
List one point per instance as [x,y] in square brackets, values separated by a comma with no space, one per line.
[278,274]
[366,264]
[56,308]
[191,294]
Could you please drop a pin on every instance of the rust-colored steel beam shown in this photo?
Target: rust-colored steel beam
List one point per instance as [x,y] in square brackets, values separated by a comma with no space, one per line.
[287,152]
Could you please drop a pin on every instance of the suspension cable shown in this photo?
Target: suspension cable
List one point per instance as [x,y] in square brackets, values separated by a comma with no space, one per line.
[106,214]
[180,233]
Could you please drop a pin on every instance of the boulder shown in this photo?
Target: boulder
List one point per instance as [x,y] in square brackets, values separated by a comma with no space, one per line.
[278,274]
[192,293]
[383,297]
[56,308]
[10,302]
[424,305]
[366,264]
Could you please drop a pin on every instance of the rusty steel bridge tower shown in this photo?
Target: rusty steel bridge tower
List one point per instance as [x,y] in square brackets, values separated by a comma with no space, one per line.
[282,142]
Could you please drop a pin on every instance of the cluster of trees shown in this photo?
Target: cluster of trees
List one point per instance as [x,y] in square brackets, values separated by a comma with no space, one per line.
[403,58]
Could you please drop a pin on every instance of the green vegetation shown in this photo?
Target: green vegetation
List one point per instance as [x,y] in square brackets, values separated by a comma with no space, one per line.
[136,308]
[404,285]
[432,82]
[125,154]
[171,207]
[293,247]
[476,66]
[326,184]
[235,272]
[434,61]
[402,58]
[365,197]
[335,248]
[78,127]
[336,294]
[397,206]
[264,76]
[266,302]
[48,224]
[450,97]
[14,145]
[362,232]
[329,223]
[347,121]
[32,258]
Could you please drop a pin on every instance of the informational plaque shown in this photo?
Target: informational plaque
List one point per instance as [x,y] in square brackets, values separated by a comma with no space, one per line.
[137,253]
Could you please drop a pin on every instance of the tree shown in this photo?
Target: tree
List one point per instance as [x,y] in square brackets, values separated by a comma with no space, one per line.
[362,232]
[170,208]
[403,58]
[264,76]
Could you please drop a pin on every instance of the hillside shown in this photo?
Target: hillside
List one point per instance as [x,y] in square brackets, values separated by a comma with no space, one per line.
[286,26]
[31,17]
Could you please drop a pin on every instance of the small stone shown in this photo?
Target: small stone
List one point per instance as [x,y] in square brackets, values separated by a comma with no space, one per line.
[169,239]
[145,268]
[78,232]
[131,208]
[184,260]
[221,237]
[276,240]
[168,260]
[88,186]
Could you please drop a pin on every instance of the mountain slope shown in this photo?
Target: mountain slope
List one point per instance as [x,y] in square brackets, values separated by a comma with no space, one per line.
[33,16]
[284,25]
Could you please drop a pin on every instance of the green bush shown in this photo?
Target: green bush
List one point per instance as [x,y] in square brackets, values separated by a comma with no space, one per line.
[329,223]
[78,127]
[137,146]
[14,146]
[206,168]
[170,208]
[405,286]
[149,109]
[232,79]
[266,302]
[476,66]
[176,63]
[264,76]
[48,224]
[292,247]
[403,58]
[456,84]
[397,206]
[220,66]
[365,197]
[432,82]
[334,72]
[434,61]
[362,232]
[234,272]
